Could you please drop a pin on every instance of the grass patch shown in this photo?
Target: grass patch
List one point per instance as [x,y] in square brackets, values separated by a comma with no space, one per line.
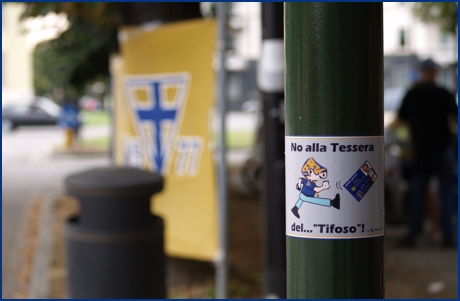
[100,142]
[96,118]
[240,139]
[234,140]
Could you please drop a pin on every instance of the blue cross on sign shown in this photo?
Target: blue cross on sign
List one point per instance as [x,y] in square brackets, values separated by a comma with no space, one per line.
[154,107]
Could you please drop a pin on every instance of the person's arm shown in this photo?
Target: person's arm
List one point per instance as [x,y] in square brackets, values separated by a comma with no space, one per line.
[299,184]
[325,186]
[403,114]
[453,123]
[453,114]
[397,122]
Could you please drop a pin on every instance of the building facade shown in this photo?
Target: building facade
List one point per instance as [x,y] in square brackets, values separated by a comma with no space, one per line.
[407,41]
[18,42]
[16,56]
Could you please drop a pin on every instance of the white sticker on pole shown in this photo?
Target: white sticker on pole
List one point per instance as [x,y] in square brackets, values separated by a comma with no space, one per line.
[334,187]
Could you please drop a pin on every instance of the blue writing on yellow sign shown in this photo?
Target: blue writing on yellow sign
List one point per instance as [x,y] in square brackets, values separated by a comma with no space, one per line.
[158,112]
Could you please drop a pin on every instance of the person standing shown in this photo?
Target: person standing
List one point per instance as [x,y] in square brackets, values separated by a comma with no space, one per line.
[429,110]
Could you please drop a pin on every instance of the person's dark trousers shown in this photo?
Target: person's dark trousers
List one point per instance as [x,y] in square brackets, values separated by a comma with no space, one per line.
[418,191]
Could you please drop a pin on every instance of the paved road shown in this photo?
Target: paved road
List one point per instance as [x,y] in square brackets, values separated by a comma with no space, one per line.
[29,171]
[424,272]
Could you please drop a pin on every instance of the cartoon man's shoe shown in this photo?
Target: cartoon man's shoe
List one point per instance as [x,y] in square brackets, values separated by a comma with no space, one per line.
[336,201]
[295,210]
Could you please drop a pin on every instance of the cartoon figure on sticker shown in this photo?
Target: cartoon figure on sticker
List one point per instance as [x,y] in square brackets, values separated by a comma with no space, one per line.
[309,191]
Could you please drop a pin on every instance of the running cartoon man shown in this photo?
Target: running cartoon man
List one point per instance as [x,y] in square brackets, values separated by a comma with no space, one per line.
[309,191]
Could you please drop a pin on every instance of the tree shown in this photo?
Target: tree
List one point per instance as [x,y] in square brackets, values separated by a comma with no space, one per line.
[441,13]
[78,56]
[81,54]
[444,14]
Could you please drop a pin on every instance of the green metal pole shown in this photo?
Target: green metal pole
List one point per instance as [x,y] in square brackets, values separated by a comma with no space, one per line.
[334,87]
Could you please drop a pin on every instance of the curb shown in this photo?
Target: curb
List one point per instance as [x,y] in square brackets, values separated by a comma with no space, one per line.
[39,287]
[77,151]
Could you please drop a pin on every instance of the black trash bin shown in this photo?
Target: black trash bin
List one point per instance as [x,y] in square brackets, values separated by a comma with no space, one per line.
[115,246]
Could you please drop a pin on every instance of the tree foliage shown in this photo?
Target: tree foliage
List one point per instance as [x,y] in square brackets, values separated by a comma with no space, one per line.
[444,14]
[78,56]
[81,53]
[101,13]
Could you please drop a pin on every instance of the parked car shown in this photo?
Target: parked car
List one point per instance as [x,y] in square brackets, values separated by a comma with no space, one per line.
[41,111]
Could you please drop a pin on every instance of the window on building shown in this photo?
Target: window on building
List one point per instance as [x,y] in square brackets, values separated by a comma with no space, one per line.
[444,37]
[402,38]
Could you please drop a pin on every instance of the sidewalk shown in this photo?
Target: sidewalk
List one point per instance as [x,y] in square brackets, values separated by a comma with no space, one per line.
[426,271]
[39,286]
[87,133]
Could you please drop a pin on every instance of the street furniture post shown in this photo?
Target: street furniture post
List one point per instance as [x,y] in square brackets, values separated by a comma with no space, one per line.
[222,262]
[334,150]
[115,245]
[70,138]
[71,122]
[270,78]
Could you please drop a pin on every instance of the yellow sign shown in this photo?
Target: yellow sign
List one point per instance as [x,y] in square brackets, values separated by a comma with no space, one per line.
[164,98]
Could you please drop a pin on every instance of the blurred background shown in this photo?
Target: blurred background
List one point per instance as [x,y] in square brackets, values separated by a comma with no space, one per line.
[59,117]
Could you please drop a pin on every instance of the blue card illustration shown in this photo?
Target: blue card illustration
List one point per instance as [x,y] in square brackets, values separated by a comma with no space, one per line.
[360,183]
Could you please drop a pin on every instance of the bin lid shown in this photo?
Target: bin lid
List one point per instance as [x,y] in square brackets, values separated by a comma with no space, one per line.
[114,181]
